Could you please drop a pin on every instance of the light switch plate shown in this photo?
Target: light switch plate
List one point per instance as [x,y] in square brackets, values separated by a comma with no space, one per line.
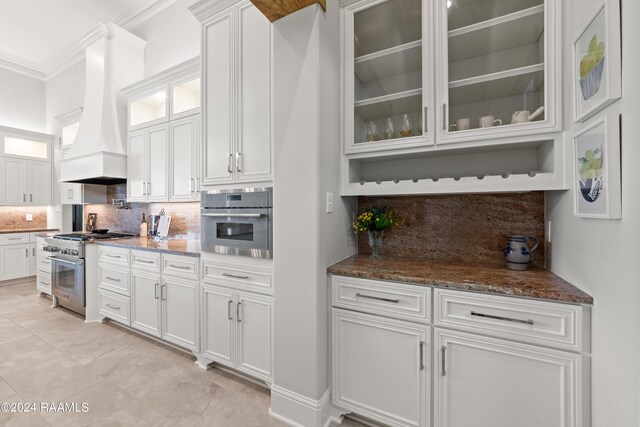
[29,217]
[329,202]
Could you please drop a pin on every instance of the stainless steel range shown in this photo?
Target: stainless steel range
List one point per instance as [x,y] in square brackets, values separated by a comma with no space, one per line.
[67,267]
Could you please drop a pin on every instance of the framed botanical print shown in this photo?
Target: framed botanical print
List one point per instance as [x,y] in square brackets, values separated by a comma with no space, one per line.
[597,75]
[596,159]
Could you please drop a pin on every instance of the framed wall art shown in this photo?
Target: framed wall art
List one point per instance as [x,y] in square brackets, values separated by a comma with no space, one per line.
[597,70]
[596,177]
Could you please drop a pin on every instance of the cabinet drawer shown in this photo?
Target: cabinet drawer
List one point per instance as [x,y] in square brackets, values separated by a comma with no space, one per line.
[14,238]
[43,282]
[115,307]
[114,279]
[383,298]
[145,260]
[115,256]
[257,279]
[44,263]
[180,266]
[537,322]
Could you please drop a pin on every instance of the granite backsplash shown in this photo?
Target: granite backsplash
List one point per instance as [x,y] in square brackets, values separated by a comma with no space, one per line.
[15,217]
[185,217]
[465,228]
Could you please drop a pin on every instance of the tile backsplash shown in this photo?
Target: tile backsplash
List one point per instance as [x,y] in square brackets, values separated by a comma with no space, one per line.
[185,217]
[15,217]
[466,228]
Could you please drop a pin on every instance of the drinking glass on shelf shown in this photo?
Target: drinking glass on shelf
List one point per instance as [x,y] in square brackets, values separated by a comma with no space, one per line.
[372,131]
[389,131]
[405,126]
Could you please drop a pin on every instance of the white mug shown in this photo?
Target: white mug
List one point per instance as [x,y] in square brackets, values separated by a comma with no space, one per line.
[489,121]
[460,124]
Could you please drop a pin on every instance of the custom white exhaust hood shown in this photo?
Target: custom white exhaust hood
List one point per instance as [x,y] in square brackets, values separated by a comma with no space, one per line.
[98,155]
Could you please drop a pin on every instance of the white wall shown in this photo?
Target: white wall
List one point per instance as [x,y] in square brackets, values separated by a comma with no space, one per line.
[22,101]
[306,238]
[172,35]
[601,256]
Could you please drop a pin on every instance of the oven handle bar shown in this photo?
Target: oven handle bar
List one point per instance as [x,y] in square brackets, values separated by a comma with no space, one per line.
[234,215]
[77,262]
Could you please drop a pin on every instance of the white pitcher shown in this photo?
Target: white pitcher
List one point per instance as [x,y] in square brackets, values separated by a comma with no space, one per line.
[526,116]
[517,252]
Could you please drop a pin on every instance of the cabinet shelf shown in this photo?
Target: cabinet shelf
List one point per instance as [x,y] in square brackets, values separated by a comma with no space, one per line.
[520,28]
[496,85]
[389,105]
[394,61]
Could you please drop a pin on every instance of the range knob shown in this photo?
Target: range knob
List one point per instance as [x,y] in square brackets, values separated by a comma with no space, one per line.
[74,252]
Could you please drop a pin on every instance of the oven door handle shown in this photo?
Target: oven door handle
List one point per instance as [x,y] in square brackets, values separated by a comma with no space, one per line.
[234,215]
[78,262]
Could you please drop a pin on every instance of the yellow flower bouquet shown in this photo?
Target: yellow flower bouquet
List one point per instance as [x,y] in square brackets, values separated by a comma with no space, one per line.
[375,221]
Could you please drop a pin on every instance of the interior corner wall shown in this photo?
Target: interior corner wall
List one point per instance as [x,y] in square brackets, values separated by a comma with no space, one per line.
[600,256]
[22,101]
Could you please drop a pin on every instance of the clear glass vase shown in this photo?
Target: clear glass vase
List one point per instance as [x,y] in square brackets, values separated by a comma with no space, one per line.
[375,241]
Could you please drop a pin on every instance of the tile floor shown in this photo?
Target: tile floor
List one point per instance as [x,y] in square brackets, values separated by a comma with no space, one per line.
[51,355]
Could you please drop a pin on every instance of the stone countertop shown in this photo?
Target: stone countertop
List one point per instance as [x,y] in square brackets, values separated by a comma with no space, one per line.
[30,230]
[187,247]
[536,283]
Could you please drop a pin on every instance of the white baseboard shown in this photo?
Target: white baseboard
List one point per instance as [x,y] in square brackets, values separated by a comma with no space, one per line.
[297,410]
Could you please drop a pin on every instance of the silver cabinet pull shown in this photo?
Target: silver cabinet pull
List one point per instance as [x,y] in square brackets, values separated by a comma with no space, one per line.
[144,188]
[422,344]
[238,312]
[43,283]
[144,261]
[33,250]
[114,256]
[236,277]
[113,306]
[192,184]
[444,116]
[112,279]
[506,319]
[155,294]
[148,188]
[180,267]
[30,197]
[443,351]
[26,252]
[426,120]
[163,292]
[15,238]
[395,301]
[238,162]
[229,167]
[24,197]
[229,310]
[198,185]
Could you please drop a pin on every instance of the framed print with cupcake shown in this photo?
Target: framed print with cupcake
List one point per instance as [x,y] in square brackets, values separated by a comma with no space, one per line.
[596,159]
[597,62]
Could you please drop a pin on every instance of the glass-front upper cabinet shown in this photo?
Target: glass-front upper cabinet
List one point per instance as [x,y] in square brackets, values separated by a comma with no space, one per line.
[387,75]
[498,68]
[149,109]
[185,98]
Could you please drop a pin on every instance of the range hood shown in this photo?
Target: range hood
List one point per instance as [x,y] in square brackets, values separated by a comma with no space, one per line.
[98,155]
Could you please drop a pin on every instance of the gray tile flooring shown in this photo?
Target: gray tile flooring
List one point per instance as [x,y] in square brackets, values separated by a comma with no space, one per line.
[125,379]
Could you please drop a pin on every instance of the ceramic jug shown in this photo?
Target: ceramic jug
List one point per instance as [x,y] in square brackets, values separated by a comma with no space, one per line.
[526,116]
[517,252]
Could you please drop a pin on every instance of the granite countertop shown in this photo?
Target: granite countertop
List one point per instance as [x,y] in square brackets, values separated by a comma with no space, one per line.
[30,230]
[537,283]
[188,247]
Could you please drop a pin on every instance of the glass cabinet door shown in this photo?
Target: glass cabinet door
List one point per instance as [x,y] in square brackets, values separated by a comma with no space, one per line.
[494,64]
[148,110]
[185,98]
[385,75]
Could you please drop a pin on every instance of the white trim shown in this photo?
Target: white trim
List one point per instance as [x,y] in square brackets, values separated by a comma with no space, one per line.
[183,71]
[18,65]
[69,117]
[205,9]
[297,410]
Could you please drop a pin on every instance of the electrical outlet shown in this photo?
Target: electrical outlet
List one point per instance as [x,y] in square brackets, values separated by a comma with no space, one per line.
[329,202]
[29,217]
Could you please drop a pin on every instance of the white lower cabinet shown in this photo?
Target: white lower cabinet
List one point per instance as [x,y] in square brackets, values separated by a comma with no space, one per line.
[145,298]
[16,261]
[381,368]
[180,314]
[237,329]
[491,382]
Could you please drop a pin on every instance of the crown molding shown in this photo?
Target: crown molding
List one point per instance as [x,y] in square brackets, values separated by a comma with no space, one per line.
[69,117]
[205,9]
[128,16]
[21,66]
[188,69]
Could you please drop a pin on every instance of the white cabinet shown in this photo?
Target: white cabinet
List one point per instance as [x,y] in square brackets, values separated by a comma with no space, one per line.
[485,381]
[381,368]
[16,261]
[80,194]
[237,52]
[180,312]
[146,302]
[184,159]
[149,108]
[148,164]
[237,329]
[25,182]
